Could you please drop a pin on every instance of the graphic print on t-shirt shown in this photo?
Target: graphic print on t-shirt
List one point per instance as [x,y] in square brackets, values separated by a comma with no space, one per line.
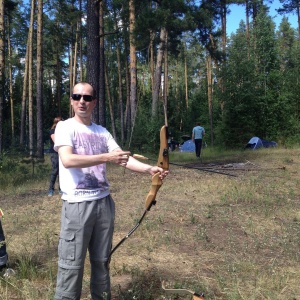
[90,182]
[89,143]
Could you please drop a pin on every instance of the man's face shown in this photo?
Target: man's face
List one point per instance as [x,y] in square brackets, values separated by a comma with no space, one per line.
[82,108]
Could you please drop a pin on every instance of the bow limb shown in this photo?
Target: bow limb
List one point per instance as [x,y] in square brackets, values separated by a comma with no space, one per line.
[155,186]
[162,162]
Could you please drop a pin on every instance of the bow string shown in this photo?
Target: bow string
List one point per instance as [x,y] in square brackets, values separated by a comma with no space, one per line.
[162,162]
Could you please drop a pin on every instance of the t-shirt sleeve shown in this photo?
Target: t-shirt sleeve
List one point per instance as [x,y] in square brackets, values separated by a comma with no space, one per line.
[63,136]
[111,143]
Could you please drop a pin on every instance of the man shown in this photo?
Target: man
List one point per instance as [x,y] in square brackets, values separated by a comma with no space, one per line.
[197,136]
[88,212]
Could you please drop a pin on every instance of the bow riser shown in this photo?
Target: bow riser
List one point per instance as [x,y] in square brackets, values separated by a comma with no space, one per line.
[163,156]
[162,162]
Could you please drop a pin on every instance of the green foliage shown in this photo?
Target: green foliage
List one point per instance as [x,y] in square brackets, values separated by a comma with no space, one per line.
[257,93]
[16,170]
[145,136]
[256,82]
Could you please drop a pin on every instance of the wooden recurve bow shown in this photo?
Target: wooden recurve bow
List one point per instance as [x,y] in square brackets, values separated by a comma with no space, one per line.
[163,162]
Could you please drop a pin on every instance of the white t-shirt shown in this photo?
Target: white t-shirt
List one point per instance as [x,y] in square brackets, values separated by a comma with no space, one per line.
[83,184]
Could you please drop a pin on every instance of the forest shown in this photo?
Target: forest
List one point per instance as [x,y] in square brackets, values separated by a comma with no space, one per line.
[150,62]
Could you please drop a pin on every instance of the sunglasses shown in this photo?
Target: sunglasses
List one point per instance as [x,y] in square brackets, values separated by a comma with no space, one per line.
[87,98]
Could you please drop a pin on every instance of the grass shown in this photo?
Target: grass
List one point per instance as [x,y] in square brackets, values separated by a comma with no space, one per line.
[233,238]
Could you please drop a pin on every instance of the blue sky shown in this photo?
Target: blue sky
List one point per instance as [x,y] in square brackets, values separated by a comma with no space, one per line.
[238,13]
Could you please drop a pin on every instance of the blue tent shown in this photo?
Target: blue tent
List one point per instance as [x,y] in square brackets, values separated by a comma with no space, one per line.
[256,143]
[187,146]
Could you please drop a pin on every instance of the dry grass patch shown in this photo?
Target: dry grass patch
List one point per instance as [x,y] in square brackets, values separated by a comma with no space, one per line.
[233,238]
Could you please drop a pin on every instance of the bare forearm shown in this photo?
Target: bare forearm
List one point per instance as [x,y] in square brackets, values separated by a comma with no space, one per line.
[72,160]
[137,166]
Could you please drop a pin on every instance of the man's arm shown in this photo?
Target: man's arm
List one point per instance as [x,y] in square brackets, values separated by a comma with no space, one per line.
[137,166]
[72,160]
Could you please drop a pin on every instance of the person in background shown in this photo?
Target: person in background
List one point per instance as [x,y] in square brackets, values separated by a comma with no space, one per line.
[88,210]
[3,253]
[54,159]
[174,144]
[197,137]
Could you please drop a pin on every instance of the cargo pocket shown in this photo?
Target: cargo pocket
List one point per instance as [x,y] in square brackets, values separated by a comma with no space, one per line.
[67,246]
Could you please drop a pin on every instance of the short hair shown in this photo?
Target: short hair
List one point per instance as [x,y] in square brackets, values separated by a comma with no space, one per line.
[85,83]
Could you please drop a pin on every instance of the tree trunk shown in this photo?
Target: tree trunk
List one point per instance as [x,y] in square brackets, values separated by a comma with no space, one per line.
[111,110]
[223,21]
[127,114]
[151,59]
[80,42]
[102,105]
[30,81]
[2,65]
[298,17]
[39,81]
[210,93]
[186,82]
[120,91]
[133,68]
[71,111]
[11,98]
[166,82]
[24,94]
[248,25]
[127,109]
[93,51]
[158,71]
[58,83]
[77,36]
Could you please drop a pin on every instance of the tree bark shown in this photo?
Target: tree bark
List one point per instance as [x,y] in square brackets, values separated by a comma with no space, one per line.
[133,68]
[11,98]
[166,81]
[30,80]
[186,81]
[120,91]
[210,93]
[2,66]
[39,81]
[93,51]
[24,95]
[80,41]
[158,71]
[75,53]
[151,59]
[223,21]
[111,109]
[102,103]
[248,26]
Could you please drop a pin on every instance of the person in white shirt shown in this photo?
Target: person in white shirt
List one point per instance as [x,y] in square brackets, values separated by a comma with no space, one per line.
[197,137]
[88,211]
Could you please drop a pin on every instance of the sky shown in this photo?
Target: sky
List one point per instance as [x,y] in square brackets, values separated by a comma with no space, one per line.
[238,13]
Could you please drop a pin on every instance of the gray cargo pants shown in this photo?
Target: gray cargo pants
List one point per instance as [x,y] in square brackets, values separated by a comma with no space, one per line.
[85,225]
